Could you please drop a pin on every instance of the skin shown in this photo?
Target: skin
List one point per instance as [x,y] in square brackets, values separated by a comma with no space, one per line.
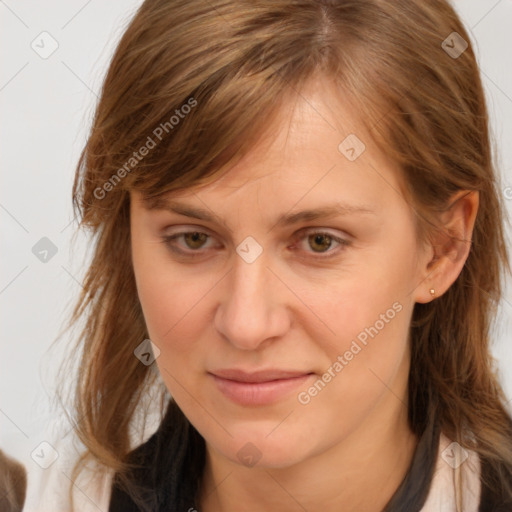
[350,447]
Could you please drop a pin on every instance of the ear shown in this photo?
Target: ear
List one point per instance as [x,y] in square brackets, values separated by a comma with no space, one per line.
[450,246]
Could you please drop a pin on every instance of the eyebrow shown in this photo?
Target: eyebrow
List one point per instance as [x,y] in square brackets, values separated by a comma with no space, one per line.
[286,219]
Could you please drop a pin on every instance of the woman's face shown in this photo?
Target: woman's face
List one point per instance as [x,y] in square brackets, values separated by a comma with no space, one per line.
[282,332]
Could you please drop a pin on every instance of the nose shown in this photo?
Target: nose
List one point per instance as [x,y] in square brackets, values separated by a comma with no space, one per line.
[252,311]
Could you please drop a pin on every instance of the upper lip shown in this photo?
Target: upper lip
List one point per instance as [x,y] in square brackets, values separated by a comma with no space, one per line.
[258,376]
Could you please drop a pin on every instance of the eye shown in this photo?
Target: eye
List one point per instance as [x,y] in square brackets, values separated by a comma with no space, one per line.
[321,242]
[195,243]
[194,240]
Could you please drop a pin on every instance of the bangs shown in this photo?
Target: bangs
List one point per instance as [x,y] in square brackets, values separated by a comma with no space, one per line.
[179,118]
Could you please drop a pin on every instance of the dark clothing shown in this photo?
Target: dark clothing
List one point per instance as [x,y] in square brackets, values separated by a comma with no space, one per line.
[171,462]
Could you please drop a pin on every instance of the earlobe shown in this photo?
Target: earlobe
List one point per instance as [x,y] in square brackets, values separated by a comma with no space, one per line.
[451,245]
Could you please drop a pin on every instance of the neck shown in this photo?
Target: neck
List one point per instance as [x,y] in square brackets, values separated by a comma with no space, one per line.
[360,473]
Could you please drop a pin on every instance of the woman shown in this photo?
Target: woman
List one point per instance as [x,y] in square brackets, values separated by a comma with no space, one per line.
[299,247]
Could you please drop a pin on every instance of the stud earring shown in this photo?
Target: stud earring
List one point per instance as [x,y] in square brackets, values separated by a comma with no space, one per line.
[432,292]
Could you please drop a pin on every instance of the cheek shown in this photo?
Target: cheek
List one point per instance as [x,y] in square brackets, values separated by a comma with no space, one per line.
[368,313]
[157,288]
[173,301]
[370,341]
[367,358]
[166,303]
[368,303]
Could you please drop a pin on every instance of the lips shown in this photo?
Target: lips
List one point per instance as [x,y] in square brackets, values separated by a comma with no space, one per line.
[260,387]
[258,376]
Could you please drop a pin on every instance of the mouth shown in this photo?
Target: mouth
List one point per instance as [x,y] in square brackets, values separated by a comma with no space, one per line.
[258,388]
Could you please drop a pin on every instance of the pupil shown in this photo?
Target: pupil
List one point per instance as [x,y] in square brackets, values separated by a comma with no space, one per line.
[319,238]
[195,237]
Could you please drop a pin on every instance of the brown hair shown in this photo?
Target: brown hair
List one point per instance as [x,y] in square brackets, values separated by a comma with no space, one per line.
[13,484]
[233,63]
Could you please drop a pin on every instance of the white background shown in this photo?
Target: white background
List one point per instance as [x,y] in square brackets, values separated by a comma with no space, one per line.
[46,110]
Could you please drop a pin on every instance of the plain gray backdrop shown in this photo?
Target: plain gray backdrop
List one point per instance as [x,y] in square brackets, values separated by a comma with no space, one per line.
[47,101]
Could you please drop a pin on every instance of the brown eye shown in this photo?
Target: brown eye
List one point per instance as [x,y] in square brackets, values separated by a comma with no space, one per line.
[321,241]
[195,239]
[193,243]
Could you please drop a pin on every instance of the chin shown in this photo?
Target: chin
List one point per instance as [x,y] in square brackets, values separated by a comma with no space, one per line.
[263,450]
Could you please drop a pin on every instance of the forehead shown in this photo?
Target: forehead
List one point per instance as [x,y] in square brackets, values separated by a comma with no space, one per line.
[315,148]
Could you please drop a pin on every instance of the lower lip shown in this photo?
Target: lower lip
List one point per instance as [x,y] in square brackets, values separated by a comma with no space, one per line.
[258,393]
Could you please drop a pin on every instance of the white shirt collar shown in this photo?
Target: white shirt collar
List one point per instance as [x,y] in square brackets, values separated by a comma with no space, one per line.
[453,460]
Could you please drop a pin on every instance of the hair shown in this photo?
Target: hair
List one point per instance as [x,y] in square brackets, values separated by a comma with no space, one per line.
[13,484]
[233,63]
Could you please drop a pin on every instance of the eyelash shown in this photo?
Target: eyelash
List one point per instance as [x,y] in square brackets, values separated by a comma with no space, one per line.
[169,239]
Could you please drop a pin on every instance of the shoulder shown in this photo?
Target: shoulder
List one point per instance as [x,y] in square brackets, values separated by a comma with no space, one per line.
[50,479]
